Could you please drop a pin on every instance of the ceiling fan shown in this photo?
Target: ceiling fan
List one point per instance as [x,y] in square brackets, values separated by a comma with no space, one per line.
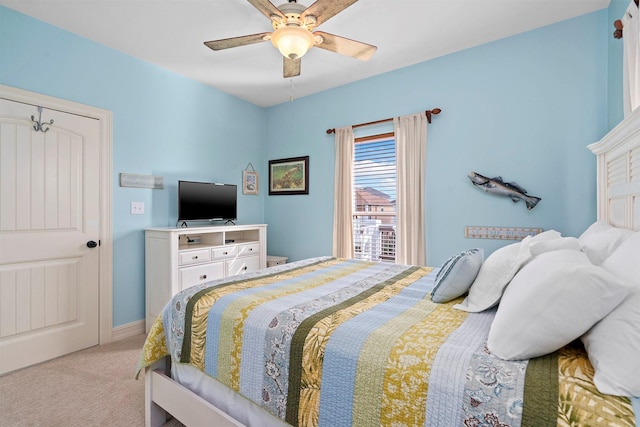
[293,24]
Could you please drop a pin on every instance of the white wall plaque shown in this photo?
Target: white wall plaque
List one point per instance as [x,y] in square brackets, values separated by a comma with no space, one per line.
[141,181]
[501,233]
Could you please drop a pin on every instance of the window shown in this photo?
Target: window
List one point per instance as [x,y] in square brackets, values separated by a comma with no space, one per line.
[374,198]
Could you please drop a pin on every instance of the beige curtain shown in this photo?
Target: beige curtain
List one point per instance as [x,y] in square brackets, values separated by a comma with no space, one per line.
[343,206]
[631,58]
[411,154]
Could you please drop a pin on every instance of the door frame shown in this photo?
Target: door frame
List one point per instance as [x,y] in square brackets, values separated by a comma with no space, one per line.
[105,277]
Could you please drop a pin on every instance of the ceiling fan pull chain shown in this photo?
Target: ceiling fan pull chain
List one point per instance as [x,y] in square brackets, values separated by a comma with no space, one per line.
[291,96]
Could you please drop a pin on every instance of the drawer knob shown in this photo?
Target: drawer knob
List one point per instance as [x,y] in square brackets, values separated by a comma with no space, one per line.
[245,267]
[195,257]
[204,276]
[225,253]
[250,249]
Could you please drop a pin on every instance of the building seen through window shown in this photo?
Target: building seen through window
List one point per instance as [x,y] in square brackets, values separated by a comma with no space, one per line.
[374,199]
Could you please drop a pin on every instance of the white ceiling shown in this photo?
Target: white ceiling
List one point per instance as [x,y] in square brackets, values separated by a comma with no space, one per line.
[170,34]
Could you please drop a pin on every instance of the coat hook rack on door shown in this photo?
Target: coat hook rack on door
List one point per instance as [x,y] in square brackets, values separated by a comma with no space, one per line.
[38,124]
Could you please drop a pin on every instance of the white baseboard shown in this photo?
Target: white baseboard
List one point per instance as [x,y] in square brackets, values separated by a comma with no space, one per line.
[129,330]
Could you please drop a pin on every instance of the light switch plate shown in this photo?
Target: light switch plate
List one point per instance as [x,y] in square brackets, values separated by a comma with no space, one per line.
[137,208]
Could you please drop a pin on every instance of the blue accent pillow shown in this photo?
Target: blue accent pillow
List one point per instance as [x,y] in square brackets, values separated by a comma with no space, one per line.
[456,275]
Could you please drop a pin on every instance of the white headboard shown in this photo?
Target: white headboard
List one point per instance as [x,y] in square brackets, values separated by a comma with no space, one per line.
[619,173]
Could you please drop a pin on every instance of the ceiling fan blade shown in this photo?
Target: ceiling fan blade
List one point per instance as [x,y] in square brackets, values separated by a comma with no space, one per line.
[324,10]
[237,41]
[291,67]
[267,8]
[345,46]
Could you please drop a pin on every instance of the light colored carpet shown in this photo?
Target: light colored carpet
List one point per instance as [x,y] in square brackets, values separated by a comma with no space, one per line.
[93,387]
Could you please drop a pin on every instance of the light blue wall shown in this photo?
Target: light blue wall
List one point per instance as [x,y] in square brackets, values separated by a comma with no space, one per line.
[163,124]
[524,107]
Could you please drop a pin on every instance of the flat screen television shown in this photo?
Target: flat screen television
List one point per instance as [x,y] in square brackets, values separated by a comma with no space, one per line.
[206,201]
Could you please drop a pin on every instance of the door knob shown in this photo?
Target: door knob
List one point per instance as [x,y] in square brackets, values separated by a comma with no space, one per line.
[91,244]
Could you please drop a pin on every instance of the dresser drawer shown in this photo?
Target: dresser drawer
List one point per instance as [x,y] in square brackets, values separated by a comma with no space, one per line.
[224,252]
[242,265]
[248,249]
[194,257]
[190,276]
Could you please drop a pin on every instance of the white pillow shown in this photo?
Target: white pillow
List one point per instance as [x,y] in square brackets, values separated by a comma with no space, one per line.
[601,239]
[613,344]
[553,300]
[494,275]
[545,235]
[540,247]
[625,260]
[456,275]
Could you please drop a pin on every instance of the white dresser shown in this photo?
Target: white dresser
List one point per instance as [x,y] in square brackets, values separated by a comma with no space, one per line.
[176,258]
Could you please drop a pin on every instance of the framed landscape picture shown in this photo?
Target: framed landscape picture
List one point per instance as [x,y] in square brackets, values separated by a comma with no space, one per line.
[289,176]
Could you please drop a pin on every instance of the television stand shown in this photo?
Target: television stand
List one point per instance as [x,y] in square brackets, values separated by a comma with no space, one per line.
[177,258]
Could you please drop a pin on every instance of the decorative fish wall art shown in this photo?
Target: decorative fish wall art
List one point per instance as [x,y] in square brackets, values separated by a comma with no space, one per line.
[507,189]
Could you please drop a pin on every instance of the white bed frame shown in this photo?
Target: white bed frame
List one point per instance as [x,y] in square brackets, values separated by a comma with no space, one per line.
[618,184]
[618,176]
[164,398]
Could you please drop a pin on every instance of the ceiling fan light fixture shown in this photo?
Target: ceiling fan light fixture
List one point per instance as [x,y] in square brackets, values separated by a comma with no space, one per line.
[292,41]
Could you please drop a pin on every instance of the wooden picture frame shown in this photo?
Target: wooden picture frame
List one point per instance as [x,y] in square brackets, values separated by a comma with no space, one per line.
[249,182]
[289,176]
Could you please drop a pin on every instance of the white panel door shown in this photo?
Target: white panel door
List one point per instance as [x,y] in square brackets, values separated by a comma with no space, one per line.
[49,211]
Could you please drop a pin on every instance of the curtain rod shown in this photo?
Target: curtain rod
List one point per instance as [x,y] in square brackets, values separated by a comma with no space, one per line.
[427,112]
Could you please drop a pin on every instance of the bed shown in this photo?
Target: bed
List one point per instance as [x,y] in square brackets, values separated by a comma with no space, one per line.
[475,342]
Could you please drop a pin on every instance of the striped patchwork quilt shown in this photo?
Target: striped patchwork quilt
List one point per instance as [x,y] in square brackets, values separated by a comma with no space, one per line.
[336,342]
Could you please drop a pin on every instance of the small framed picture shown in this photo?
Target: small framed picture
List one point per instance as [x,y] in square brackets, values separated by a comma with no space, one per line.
[289,176]
[249,182]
